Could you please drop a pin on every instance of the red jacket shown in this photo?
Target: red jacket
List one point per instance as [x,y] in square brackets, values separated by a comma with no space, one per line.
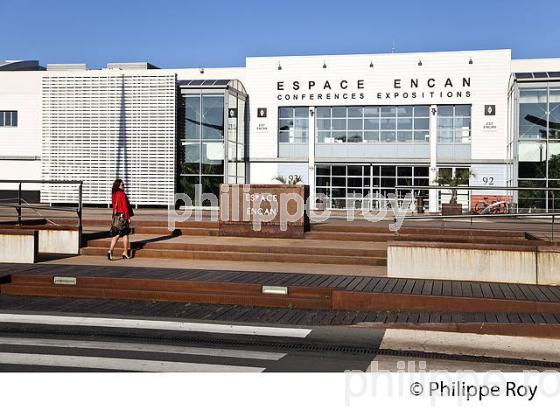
[121,204]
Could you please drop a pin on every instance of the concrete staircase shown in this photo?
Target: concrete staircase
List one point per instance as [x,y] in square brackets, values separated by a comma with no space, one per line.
[335,242]
[199,240]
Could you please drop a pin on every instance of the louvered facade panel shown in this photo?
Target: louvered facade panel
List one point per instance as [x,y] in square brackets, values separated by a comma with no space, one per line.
[99,127]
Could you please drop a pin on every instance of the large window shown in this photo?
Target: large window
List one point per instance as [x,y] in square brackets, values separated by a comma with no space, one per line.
[202,146]
[8,118]
[372,124]
[293,125]
[367,186]
[454,124]
[539,147]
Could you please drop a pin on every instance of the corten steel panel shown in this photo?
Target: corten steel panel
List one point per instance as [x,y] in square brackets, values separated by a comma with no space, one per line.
[192,297]
[242,207]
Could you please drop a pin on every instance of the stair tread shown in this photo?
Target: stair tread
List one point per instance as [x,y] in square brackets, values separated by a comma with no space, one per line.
[255,242]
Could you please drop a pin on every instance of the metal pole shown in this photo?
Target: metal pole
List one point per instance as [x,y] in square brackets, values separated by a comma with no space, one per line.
[80,212]
[19,206]
[552,227]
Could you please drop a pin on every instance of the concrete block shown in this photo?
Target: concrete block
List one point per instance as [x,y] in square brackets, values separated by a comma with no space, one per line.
[548,266]
[59,241]
[18,247]
[462,263]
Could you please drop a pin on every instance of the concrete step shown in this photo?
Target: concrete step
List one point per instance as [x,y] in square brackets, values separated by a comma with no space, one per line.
[426,237]
[372,228]
[143,221]
[238,245]
[243,256]
[155,230]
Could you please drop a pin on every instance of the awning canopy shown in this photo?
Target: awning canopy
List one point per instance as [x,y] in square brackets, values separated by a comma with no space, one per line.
[230,84]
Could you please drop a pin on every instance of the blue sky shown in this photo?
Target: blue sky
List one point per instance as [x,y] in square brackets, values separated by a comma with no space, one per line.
[209,33]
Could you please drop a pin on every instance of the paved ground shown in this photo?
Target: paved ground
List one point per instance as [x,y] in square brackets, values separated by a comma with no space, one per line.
[50,334]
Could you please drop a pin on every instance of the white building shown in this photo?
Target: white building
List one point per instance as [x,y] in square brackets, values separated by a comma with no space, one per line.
[349,125]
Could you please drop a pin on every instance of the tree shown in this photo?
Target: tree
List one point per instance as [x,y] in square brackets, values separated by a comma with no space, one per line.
[292,179]
[446,178]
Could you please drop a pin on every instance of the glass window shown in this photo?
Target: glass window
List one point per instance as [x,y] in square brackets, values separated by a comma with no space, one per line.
[339,112]
[323,170]
[388,124]
[202,150]
[371,111]
[388,111]
[404,171]
[532,114]
[422,136]
[554,114]
[421,172]
[355,136]
[192,117]
[212,117]
[355,112]
[371,123]
[388,136]
[324,137]
[404,123]
[421,123]
[339,124]
[404,111]
[445,111]
[371,136]
[285,112]
[453,124]
[354,124]
[213,158]
[14,118]
[362,124]
[323,124]
[286,125]
[421,111]
[293,125]
[404,136]
[463,110]
[323,112]
[190,158]
[284,137]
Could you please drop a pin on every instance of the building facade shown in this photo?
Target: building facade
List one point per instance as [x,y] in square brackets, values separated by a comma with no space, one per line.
[353,127]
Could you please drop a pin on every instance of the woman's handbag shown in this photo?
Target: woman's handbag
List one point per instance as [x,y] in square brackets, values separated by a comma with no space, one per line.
[118,222]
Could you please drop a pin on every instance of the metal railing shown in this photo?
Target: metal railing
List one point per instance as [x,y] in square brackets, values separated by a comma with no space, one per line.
[507,217]
[19,205]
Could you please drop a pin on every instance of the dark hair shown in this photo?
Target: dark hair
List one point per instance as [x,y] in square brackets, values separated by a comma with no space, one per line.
[116,185]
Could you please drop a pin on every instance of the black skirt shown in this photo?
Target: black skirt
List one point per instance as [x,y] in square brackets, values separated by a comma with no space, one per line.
[120,232]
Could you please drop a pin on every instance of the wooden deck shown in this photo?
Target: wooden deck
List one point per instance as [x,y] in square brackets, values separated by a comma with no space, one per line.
[330,292]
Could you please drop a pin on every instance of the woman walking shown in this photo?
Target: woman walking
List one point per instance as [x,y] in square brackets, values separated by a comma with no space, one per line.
[120,226]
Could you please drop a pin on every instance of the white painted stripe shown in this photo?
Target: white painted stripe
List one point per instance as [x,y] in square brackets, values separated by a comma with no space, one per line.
[132,365]
[137,347]
[153,325]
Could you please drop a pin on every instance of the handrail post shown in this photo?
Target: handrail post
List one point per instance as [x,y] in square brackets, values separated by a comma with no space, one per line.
[19,206]
[80,212]
[552,227]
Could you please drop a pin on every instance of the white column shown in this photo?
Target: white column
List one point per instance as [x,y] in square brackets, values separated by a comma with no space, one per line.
[433,194]
[311,156]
